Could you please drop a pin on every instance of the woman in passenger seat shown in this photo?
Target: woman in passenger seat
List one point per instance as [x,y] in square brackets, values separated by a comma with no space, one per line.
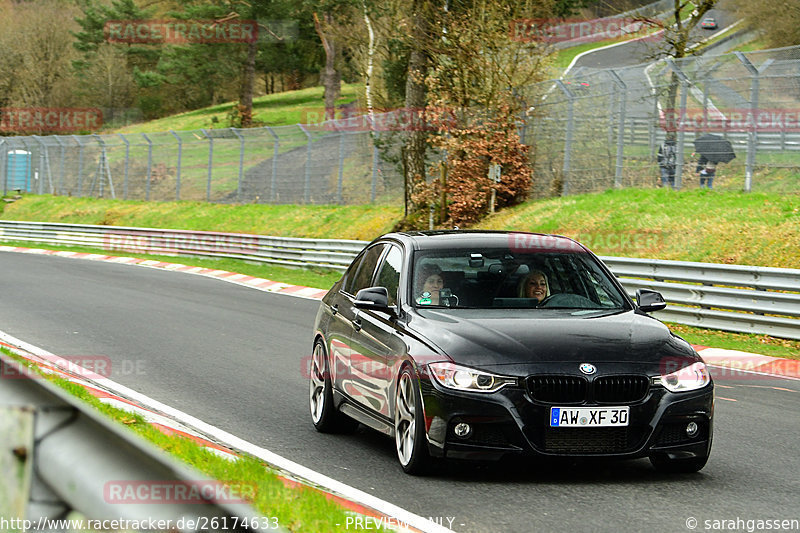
[534,285]
[429,283]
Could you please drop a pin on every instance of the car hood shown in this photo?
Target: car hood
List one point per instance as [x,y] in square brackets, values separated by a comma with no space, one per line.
[517,339]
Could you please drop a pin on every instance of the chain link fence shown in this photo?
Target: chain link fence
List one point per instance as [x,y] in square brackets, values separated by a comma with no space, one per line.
[326,163]
[592,130]
[597,129]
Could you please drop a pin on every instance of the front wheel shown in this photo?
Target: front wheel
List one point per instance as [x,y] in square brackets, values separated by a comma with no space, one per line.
[323,413]
[409,425]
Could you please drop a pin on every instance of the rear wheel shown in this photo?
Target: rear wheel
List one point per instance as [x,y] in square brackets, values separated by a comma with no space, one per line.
[323,413]
[409,425]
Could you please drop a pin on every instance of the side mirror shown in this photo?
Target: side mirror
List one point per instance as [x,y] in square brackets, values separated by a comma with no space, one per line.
[374,299]
[650,301]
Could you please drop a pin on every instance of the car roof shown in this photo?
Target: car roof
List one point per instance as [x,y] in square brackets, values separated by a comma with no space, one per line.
[454,239]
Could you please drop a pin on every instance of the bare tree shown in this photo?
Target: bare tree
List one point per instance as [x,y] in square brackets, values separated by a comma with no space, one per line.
[37,36]
[677,38]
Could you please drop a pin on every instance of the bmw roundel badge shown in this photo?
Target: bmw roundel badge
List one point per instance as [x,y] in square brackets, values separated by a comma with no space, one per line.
[588,369]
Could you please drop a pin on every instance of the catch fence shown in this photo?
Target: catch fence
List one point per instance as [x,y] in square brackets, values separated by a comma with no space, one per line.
[593,130]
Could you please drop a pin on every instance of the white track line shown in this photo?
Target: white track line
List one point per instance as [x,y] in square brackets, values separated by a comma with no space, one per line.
[402,516]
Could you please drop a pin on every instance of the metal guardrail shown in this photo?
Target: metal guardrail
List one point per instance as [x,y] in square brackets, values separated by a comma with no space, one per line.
[746,299]
[743,299]
[328,253]
[59,456]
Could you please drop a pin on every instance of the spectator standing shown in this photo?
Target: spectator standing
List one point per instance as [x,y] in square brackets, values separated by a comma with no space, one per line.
[667,158]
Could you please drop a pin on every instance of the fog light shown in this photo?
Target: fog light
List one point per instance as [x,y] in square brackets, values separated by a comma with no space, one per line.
[462,430]
[692,429]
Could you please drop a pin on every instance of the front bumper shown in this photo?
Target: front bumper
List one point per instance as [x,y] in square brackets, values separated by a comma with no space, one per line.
[510,421]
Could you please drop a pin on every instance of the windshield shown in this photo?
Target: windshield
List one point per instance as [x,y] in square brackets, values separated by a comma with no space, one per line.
[504,279]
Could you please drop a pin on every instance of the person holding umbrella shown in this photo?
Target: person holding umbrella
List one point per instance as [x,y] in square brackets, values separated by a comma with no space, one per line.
[713,150]
[707,171]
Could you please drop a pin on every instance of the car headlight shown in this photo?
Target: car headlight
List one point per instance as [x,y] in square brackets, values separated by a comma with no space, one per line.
[462,378]
[688,378]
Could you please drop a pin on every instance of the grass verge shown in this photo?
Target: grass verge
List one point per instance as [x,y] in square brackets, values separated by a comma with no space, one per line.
[361,222]
[744,342]
[296,508]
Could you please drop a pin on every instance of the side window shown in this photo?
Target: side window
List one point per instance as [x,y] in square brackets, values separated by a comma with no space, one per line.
[389,273]
[362,273]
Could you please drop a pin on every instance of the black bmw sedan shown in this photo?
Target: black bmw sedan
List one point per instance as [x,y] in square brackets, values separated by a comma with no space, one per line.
[475,345]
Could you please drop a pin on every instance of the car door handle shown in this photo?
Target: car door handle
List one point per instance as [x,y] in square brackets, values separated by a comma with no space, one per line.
[357,324]
[334,309]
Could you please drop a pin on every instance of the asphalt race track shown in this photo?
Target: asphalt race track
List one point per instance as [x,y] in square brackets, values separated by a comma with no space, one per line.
[232,356]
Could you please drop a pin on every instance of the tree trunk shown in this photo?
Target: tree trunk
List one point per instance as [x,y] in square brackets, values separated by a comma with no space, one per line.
[370,60]
[330,76]
[415,145]
[246,88]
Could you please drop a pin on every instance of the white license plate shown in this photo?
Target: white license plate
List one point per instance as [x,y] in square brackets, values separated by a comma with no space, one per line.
[590,417]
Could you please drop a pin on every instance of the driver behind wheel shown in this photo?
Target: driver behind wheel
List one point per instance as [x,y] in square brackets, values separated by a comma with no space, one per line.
[534,285]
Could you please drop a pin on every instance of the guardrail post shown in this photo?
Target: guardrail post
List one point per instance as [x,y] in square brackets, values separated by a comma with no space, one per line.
[622,89]
[12,167]
[61,156]
[29,170]
[655,120]
[307,183]
[340,181]
[103,170]
[3,167]
[273,178]
[127,160]
[210,163]
[375,158]
[752,119]
[375,163]
[570,126]
[16,458]
[40,174]
[149,166]
[241,163]
[684,81]
[178,177]
[80,165]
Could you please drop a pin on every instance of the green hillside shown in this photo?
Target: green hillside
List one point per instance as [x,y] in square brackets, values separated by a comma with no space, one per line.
[695,225]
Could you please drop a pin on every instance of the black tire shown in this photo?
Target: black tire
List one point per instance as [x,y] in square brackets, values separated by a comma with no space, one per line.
[409,425]
[323,412]
[664,464]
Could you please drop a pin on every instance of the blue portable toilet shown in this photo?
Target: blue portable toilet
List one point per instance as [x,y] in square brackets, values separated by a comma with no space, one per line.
[18,170]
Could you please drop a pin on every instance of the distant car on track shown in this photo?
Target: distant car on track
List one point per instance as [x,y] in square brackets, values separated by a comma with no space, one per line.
[441,340]
[709,23]
[578,85]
